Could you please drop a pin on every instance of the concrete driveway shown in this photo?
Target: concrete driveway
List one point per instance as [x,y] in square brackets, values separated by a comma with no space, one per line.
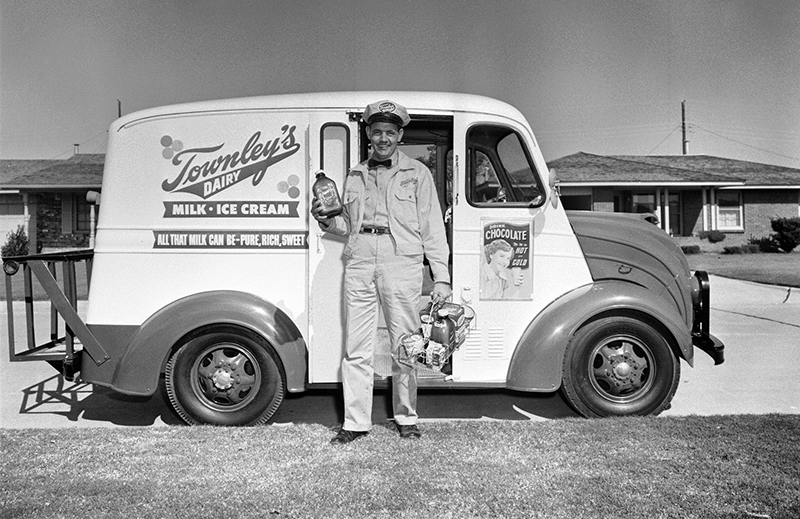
[760,326]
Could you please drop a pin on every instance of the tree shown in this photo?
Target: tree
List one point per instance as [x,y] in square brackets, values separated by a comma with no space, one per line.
[17,243]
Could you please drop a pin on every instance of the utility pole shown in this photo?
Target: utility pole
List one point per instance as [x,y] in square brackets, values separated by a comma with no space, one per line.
[684,142]
[119,108]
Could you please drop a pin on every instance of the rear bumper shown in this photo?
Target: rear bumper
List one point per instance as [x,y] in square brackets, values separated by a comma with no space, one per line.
[701,338]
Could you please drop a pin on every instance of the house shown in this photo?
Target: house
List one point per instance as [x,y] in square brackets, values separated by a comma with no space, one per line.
[688,193]
[48,198]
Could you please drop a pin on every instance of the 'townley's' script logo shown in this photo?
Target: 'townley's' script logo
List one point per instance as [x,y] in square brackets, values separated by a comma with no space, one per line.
[205,177]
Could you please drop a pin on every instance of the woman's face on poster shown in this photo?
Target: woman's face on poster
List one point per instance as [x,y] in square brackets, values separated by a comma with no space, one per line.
[500,260]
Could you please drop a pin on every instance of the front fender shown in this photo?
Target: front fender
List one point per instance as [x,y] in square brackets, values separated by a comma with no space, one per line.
[140,368]
[538,358]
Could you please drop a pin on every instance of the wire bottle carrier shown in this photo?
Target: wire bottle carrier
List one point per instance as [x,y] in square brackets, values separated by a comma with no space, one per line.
[443,328]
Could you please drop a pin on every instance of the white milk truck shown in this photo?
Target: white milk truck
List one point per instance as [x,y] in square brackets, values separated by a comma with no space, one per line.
[208,268]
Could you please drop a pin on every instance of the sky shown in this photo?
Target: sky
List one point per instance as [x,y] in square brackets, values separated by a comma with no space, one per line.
[600,76]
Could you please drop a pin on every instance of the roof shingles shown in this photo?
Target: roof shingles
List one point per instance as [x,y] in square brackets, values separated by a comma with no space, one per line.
[79,171]
[587,168]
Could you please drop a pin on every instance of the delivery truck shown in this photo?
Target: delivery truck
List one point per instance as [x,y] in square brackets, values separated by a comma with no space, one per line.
[209,275]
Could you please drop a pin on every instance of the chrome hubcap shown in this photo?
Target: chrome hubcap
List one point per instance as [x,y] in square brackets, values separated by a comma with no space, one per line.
[622,368]
[226,377]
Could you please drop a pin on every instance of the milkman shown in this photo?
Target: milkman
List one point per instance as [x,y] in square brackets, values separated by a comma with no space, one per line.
[392,220]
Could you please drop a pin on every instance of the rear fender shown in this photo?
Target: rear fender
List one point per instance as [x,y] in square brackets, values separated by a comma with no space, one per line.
[538,358]
[142,363]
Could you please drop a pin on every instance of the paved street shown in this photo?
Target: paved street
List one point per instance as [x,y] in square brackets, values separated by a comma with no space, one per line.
[760,326]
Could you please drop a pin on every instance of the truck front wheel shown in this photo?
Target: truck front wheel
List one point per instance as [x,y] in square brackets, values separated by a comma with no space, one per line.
[619,366]
[225,376]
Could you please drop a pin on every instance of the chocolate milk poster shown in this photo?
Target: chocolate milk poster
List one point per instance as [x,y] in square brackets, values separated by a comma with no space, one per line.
[506,271]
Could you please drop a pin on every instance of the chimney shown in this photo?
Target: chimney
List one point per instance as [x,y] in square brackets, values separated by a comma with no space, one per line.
[76,149]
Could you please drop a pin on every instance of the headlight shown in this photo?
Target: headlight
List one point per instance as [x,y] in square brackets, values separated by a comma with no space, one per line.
[10,267]
[695,290]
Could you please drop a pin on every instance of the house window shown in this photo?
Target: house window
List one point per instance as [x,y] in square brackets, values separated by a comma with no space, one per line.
[644,203]
[11,204]
[729,211]
[82,215]
[76,214]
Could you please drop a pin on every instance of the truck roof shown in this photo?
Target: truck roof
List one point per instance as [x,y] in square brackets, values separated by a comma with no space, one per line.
[429,103]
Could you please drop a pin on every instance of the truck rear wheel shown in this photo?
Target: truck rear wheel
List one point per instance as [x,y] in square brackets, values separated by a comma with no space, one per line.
[225,376]
[619,366]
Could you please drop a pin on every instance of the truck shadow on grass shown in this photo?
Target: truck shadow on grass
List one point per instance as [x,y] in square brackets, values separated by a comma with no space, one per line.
[84,402]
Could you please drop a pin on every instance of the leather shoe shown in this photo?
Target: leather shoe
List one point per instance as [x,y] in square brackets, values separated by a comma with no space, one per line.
[409,431]
[345,436]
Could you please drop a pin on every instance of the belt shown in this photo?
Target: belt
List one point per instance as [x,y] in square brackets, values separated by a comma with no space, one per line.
[375,230]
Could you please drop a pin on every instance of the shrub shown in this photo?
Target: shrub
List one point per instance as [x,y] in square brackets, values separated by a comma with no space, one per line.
[787,232]
[17,243]
[712,236]
[766,244]
[690,249]
[740,249]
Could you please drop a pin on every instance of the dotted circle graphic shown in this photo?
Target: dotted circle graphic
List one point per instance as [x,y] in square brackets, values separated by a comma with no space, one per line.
[289,186]
[171,146]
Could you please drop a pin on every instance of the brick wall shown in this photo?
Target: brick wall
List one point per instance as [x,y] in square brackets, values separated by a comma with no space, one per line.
[762,205]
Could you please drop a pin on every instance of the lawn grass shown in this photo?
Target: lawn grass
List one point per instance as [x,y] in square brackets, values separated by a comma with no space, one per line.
[719,466]
[770,268]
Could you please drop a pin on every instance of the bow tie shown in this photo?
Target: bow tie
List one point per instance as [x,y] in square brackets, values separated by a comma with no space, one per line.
[375,163]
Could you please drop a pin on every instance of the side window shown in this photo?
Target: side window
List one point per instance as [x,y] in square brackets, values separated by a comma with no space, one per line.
[500,168]
[335,150]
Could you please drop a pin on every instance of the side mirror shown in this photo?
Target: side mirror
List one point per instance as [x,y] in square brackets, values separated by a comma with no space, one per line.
[538,198]
[555,188]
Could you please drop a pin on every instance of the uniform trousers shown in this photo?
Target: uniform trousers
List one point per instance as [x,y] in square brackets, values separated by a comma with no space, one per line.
[374,272]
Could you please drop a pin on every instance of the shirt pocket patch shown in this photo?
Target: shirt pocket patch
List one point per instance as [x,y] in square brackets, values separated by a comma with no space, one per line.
[405,194]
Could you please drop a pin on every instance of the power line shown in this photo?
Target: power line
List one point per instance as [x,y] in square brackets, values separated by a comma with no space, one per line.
[656,126]
[84,143]
[101,145]
[752,129]
[755,134]
[665,138]
[744,143]
[606,134]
